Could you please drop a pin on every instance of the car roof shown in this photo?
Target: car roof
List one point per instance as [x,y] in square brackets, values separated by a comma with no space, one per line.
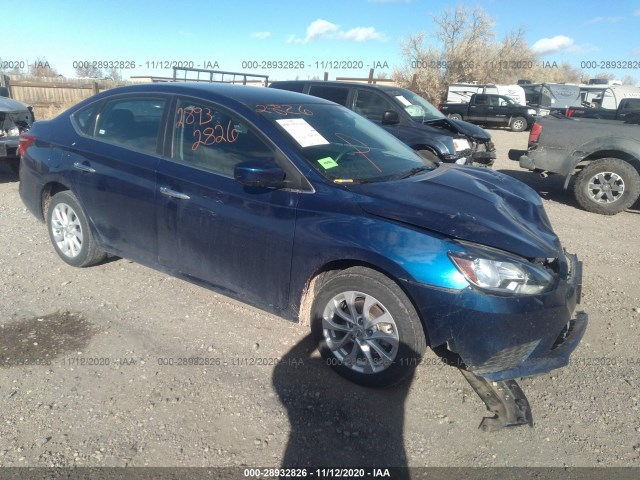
[246,95]
[339,83]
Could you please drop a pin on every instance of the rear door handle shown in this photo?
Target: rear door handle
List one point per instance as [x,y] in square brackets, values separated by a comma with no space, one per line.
[172,193]
[84,167]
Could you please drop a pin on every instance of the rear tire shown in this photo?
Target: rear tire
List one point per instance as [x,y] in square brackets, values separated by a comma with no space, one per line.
[607,186]
[455,116]
[366,328]
[518,124]
[71,233]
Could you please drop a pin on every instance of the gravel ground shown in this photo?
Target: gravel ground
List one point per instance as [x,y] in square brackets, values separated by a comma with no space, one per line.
[97,388]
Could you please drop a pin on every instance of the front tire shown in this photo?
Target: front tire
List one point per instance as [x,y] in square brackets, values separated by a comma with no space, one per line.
[70,232]
[607,186]
[366,328]
[429,158]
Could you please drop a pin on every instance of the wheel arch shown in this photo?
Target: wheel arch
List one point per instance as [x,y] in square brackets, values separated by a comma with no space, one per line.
[47,193]
[619,153]
[321,274]
[422,146]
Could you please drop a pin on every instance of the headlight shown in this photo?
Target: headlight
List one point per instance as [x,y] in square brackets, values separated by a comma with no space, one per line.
[500,272]
[531,111]
[461,144]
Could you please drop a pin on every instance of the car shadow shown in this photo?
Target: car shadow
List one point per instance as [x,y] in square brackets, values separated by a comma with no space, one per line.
[7,175]
[336,423]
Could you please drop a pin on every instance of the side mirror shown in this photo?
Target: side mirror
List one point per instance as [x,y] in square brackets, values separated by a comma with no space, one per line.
[256,173]
[390,117]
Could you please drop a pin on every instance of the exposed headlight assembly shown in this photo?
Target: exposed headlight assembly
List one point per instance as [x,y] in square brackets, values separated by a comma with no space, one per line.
[461,144]
[500,272]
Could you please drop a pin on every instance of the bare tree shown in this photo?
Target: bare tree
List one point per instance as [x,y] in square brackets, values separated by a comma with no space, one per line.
[629,80]
[605,76]
[464,48]
[89,70]
[41,68]
[114,74]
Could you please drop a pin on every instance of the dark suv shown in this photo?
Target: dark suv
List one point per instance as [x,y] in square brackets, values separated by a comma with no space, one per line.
[407,116]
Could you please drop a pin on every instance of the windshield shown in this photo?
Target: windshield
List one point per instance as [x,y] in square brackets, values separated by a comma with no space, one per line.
[416,106]
[342,145]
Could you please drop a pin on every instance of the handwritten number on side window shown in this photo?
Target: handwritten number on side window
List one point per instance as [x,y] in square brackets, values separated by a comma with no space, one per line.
[215,134]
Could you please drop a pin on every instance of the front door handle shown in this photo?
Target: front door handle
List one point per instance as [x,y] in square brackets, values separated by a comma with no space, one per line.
[172,193]
[84,167]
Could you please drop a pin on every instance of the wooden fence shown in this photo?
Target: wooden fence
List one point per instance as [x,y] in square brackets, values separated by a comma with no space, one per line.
[45,92]
[50,95]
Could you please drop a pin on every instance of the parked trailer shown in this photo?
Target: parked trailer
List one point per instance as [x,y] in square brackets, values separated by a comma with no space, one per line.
[607,96]
[553,96]
[461,92]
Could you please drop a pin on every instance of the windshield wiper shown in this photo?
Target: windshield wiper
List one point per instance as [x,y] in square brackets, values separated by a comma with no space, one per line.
[414,171]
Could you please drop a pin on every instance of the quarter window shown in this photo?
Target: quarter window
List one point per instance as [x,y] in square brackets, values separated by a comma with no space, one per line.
[133,122]
[84,118]
[209,137]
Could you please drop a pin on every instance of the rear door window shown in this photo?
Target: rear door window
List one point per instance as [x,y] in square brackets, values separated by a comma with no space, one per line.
[333,94]
[132,122]
[292,87]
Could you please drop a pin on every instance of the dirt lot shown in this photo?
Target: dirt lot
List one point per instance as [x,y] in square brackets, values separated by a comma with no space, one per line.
[261,396]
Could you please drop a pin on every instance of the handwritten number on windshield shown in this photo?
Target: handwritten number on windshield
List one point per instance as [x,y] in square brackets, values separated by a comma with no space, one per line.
[359,147]
[283,110]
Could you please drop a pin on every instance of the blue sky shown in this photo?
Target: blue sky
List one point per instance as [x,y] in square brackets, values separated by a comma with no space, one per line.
[230,32]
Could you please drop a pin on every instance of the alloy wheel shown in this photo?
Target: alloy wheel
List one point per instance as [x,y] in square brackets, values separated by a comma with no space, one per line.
[360,332]
[66,229]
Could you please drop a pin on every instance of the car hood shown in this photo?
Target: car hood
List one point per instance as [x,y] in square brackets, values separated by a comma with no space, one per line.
[467,203]
[460,126]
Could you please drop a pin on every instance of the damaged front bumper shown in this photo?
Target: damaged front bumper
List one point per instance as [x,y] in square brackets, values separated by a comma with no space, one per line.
[507,337]
[478,153]
[485,153]
[12,124]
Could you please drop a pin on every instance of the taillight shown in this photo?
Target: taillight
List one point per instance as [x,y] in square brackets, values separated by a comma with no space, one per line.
[534,134]
[25,142]
[440,107]
[570,112]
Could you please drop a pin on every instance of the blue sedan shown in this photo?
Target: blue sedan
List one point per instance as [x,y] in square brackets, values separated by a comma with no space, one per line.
[306,209]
